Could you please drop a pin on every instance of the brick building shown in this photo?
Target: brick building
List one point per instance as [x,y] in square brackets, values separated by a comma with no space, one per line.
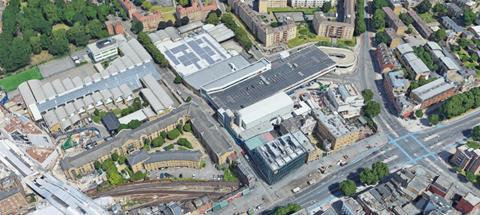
[196,11]
[149,20]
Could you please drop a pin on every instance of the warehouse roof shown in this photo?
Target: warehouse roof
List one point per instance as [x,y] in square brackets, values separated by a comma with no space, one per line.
[305,64]
[432,89]
[264,107]
[236,76]
[219,32]
[216,71]
[150,82]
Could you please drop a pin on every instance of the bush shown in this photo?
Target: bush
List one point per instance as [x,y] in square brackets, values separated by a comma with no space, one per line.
[169,147]
[419,113]
[138,176]
[185,143]
[157,142]
[163,134]
[97,165]
[114,156]
[173,134]
[288,209]
[433,119]
[134,124]
[178,79]
[187,127]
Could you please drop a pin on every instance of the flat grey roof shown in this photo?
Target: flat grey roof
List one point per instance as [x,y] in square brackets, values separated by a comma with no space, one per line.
[150,82]
[298,67]
[143,156]
[432,89]
[214,72]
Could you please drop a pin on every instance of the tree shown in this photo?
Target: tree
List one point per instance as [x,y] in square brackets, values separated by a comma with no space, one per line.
[372,109]
[424,6]
[162,25]
[187,127]
[157,142]
[97,165]
[433,119]
[147,5]
[348,187]
[96,29]
[185,143]
[468,17]
[58,43]
[368,176]
[102,12]
[440,9]
[138,2]
[218,12]
[419,113]
[439,35]
[36,44]
[184,3]
[327,6]
[212,18]
[91,12]
[173,134]
[185,20]
[288,209]
[379,4]
[137,176]
[367,95]
[134,124]
[114,156]
[470,176]
[51,13]
[476,133]
[122,159]
[380,169]
[407,19]
[381,37]
[77,35]
[178,79]
[379,19]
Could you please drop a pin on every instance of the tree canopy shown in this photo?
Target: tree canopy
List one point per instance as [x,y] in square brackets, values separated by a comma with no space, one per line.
[476,133]
[468,17]
[288,209]
[379,19]
[424,6]
[371,109]
[348,187]
[368,176]
[31,29]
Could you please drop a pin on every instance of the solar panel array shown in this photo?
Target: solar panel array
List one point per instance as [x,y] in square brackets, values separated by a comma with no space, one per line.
[194,53]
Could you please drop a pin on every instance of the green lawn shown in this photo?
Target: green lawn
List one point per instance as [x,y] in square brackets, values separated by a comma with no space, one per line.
[168,13]
[306,11]
[229,176]
[11,82]
[427,17]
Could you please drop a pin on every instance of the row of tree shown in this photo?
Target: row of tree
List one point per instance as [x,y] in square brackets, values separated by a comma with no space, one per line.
[157,56]
[240,34]
[461,103]
[371,108]
[360,25]
[28,28]
[368,176]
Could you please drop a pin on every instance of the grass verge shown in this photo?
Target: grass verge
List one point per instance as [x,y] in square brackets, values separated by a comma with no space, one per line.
[11,82]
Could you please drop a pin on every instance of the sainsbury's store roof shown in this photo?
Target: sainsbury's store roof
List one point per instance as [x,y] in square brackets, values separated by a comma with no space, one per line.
[285,73]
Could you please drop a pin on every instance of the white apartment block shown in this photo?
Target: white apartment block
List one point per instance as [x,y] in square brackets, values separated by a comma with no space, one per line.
[105,49]
[309,3]
[346,100]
